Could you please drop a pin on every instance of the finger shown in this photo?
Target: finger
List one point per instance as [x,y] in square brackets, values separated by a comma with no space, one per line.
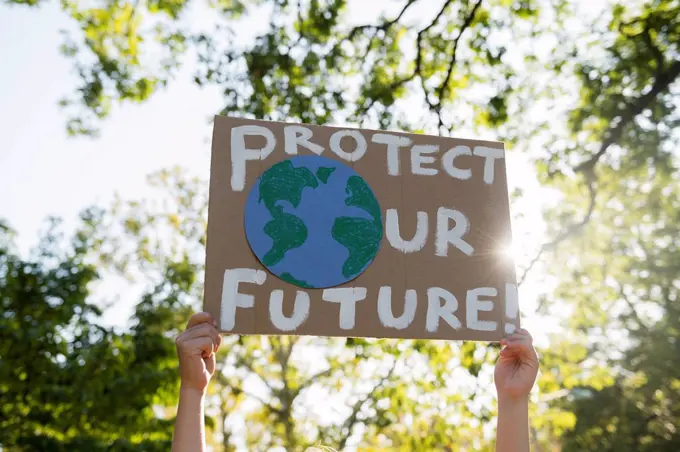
[202,330]
[519,337]
[210,363]
[508,354]
[505,352]
[199,327]
[198,318]
[216,337]
[184,339]
[513,341]
[200,346]
[523,332]
[518,346]
[512,338]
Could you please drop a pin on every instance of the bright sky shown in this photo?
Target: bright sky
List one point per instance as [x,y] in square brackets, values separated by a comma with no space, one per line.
[44,172]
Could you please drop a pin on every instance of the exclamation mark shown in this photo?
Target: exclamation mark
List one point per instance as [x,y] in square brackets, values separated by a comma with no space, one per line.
[511,307]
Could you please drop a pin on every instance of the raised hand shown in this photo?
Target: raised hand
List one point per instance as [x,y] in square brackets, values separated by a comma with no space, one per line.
[515,375]
[517,366]
[196,348]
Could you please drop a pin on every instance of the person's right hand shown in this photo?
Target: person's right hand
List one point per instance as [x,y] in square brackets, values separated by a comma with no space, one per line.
[196,348]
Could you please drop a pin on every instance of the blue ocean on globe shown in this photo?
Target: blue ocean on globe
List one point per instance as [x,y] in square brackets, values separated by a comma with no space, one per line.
[313,221]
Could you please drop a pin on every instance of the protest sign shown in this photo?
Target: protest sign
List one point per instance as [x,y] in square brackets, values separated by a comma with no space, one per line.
[331,231]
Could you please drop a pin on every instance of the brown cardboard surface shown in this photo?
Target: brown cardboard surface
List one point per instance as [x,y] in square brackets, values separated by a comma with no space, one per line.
[486,207]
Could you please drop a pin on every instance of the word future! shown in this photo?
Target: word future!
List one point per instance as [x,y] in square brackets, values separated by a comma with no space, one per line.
[442,304]
[476,301]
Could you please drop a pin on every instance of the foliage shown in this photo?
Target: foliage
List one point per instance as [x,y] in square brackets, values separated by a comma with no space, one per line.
[626,285]
[310,62]
[69,383]
[593,100]
[617,257]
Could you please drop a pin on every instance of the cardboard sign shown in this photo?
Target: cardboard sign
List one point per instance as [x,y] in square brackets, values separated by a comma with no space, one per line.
[333,231]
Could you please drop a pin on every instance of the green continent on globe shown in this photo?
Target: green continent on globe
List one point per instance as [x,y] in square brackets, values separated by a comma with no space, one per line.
[360,236]
[360,195]
[293,280]
[323,173]
[288,232]
[284,182]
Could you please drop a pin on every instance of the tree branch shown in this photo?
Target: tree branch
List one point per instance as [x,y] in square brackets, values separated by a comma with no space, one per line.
[658,56]
[417,71]
[384,27]
[249,365]
[351,421]
[613,134]
[418,64]
[286,397]
[568,231]
[236,389]
[634,313]
[311,380]
[301,21]
[266,404]
[466,24]
[419,45]
[398,18]
[436,108]
[282,354]
[669,303]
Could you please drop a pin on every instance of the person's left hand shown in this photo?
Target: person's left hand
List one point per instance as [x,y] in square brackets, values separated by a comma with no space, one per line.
[517,366]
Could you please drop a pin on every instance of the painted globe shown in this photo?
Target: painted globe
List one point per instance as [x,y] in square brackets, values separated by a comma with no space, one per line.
[313,221]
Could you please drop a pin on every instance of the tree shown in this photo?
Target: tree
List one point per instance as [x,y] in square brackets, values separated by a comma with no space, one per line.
[619,168]
[628,310]
[67,382]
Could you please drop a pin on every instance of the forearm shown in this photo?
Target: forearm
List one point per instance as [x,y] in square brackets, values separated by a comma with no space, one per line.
[512,434]
[189,433]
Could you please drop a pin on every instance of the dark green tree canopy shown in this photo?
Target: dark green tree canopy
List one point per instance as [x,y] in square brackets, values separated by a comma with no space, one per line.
[69,383]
